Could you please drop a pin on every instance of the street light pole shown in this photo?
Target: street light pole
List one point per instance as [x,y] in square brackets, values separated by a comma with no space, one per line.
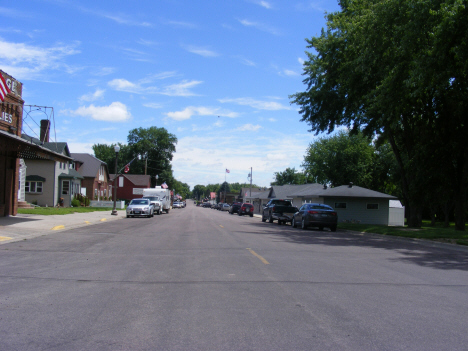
[116,149]
[157,177]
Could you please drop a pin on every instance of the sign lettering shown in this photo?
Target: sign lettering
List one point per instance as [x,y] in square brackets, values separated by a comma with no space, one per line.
[6,117]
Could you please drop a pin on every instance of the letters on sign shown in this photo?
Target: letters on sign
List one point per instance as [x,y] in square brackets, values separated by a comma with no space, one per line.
[6,117]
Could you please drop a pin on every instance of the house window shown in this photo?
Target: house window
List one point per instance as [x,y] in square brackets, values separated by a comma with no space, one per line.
[66,187]
[33,187]
[372,206]
[341,205]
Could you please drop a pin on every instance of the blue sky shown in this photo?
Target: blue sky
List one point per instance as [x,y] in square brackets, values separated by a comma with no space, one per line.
[216,74]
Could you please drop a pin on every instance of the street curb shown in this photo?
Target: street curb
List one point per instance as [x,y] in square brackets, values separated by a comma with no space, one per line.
[420,242]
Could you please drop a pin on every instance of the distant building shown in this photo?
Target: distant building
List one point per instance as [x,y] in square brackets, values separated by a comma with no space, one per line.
[130,186]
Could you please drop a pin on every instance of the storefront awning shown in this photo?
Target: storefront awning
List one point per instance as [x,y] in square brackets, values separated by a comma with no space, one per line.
[31,151]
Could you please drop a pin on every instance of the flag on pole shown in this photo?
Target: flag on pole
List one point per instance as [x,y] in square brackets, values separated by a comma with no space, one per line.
[164,185]
[4,90]
[228,171]
[127,168]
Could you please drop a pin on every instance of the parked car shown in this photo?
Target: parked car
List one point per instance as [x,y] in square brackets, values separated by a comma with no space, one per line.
[278,209]
[247,209]
[157,204]
[235,207]
[316,215]
[176,204]
[224,207]
[140,207]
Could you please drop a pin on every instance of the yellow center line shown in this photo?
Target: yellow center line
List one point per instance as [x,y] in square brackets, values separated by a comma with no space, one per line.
[5,238]
[58,227]
[221,226]
[103,219]
[258,256]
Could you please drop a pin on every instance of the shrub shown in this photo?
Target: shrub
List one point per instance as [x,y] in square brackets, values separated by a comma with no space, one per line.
[75,203]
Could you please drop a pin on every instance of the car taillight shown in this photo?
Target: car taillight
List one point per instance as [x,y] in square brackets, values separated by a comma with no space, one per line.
[251,209]
[333,213]
[312,212]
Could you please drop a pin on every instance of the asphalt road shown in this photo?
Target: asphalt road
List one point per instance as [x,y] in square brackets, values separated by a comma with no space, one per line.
[200,279]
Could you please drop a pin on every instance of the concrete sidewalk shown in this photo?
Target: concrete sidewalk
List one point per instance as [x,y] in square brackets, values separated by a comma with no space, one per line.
[26,226]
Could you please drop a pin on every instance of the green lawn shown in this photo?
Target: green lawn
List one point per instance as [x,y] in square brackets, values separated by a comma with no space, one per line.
[437,232]
[46,211]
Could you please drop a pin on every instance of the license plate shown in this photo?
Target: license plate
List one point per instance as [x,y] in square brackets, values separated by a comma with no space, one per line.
[137,212]
[324,215]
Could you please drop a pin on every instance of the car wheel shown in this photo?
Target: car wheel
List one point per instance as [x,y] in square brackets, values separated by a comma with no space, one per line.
[320,228]
[333,229]
[270,218]
[303,225]
[128,216]
[279,222]
[251,215]
[293,223]
[263,218]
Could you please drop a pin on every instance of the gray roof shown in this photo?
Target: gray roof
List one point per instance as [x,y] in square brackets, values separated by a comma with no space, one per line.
[60,148]
[285,191]
[71,174]
[136,179]
[90,166]
[259,195]
[317,190]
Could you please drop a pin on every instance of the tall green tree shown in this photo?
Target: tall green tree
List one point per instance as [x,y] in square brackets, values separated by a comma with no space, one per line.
[149,151]
[397,69]
[289,176]
[341,159]
[155,148]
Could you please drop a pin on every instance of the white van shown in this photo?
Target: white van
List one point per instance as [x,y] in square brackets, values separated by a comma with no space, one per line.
[164,197]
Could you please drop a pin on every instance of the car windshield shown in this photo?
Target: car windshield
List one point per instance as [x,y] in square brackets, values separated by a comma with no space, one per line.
[152,198]
[139,202]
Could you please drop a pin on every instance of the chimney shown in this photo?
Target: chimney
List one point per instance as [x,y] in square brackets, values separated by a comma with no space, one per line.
[45,130]
[325,186]
[350,184]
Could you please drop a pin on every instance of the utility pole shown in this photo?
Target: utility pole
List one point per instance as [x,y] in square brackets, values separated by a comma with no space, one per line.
[250,183]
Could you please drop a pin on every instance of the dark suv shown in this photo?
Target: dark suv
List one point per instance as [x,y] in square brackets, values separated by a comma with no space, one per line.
[235,207]
[247,209]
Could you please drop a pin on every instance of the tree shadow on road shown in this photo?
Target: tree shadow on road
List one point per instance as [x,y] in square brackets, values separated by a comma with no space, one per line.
[421,252]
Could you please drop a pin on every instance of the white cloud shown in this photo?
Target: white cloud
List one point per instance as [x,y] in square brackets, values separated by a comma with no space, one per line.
[181,89]
[27,61]
[261,26]
[115,112]
[178,89]
[249,127]
[201,51]
[154,105]
[301,61]
[190,111]
[97,95]
[289,72]
[262,3]
[205,163]
[257,104]
[124,85]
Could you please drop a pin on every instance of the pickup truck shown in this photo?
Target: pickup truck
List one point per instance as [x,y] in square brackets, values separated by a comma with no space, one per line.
[280,210]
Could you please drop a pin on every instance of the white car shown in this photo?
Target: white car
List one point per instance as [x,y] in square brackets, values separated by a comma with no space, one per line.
[177,204]
[140,208]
